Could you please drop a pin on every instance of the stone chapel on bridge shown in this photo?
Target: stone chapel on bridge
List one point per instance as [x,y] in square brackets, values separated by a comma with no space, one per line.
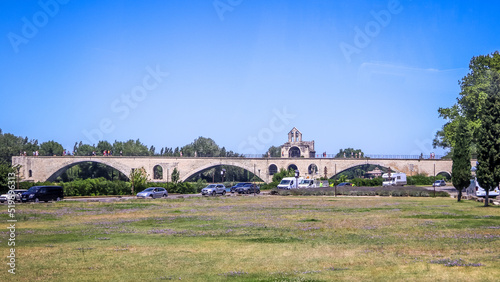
[296,148]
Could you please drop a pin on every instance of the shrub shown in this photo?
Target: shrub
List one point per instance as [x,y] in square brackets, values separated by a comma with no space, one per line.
[96,187]
[270,186]
[284,192]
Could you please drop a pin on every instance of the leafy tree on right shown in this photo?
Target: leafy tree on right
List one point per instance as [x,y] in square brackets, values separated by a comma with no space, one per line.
[488,169]
[470,104]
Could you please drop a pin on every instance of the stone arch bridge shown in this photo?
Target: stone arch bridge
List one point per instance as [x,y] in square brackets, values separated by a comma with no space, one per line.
[49,168]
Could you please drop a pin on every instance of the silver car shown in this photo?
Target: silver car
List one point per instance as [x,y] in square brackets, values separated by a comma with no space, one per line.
[153,193]
[16,192]
[438,183]
[214,189]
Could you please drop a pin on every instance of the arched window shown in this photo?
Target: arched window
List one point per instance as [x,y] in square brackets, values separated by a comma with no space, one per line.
[157,172]
[292,166]
[312,169]
[273,169]
[294,152]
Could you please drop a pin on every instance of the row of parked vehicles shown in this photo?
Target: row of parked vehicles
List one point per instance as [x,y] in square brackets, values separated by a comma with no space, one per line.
[34,194]
[55,193]
[240,188]
[288,183]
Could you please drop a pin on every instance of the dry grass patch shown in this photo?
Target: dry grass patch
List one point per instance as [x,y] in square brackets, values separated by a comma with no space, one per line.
[268,238]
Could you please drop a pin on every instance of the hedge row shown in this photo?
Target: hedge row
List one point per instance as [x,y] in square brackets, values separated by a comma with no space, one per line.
[103,187]
[377,192]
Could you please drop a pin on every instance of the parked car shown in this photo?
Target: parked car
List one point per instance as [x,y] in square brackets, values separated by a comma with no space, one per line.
[475,188]
[15,194]
[438,183]
[248,188]
[238,185]
[214,189]
[43,193]
[153,193]
[345,184]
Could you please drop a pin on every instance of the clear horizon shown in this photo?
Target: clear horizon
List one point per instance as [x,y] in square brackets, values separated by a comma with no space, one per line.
[369,75]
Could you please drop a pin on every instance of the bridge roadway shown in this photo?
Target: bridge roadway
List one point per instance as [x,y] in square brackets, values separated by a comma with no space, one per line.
[49,168]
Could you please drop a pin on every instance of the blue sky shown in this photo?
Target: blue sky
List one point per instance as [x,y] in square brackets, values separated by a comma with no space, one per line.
[362,74]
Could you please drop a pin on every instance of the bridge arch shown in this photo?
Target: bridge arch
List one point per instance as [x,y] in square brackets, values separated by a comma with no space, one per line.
[344,169]
[59,170]
[446,174]
[199,169]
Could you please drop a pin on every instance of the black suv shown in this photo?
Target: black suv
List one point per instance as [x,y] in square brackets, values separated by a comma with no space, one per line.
[43,193]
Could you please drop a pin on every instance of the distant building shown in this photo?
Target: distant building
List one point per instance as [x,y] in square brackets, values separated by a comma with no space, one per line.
[374,173]
[296,148]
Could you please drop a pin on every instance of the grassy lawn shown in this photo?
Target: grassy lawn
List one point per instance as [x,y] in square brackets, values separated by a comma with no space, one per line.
[266,238]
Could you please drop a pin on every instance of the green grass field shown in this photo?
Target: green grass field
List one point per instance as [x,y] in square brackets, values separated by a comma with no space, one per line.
[265,238]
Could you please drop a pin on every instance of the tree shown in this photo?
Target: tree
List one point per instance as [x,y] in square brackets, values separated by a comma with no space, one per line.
[175,175]
[204,147]
[5,169]
[350,153]
[51,148]
[84,150]
[488,170]
[11,145]
[130,148]
[460,175]
[103,146]
[223,152]
[139,178]
[277,177]
[471,101]
[274,152]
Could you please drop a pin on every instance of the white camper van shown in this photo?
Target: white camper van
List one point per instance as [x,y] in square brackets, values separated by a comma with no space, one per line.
[289,183]
[395,179]
[476,189]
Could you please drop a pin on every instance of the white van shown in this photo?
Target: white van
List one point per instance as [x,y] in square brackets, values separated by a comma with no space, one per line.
[289,183]
[476,189]
[395,179]
[307,183]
